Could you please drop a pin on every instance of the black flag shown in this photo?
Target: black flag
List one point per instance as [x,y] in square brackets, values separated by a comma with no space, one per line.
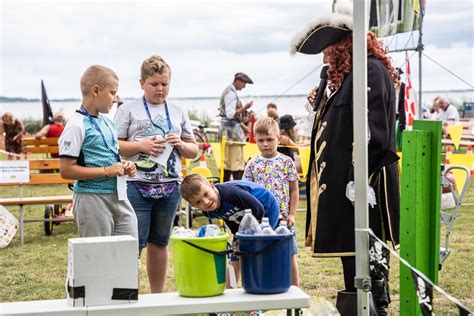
[378,259]
[463,311]
[47,112]
[424,293]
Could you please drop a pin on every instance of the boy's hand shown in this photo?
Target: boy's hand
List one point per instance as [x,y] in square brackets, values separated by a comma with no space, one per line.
[290,220]
[129,168]
[115,170]
[174,140]
[153,145]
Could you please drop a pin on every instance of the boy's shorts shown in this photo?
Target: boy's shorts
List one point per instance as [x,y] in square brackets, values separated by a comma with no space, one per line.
[293,251]
[103,215]
[294,245]
[155,217]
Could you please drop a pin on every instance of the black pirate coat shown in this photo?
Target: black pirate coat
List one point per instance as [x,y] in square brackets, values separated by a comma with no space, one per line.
[330,215]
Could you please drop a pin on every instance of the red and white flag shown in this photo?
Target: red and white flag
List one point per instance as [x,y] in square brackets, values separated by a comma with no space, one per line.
[410,109]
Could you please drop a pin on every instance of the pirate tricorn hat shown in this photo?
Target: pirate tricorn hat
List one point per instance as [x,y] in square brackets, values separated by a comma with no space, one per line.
[324,31]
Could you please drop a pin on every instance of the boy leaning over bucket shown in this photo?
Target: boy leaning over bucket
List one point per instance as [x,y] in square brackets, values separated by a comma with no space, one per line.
[277,173]
[228,201]
[88,152]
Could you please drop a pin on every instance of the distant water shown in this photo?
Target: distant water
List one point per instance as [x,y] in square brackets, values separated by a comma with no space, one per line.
[294,105]
[201,106]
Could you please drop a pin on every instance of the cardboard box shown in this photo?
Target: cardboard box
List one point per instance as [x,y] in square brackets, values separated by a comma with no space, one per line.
[102,271]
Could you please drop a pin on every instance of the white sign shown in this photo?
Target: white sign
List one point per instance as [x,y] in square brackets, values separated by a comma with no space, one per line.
[14,171]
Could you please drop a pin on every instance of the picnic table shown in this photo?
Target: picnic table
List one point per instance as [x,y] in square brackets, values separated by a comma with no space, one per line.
[233,300]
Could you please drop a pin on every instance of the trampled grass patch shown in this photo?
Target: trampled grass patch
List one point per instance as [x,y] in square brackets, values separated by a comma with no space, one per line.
[37,271]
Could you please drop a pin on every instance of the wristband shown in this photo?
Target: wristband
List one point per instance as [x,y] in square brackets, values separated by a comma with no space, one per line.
[105,171]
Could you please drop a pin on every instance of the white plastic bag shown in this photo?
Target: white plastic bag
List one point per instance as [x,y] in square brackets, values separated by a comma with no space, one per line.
[8,227]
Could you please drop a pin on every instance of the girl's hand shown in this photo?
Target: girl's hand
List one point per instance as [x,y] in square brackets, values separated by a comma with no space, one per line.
[17,138]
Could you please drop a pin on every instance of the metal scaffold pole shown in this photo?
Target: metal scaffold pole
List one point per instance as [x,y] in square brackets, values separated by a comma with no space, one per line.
[362,279]
[420,48]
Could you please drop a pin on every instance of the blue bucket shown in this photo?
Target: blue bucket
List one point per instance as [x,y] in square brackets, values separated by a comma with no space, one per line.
[265,262]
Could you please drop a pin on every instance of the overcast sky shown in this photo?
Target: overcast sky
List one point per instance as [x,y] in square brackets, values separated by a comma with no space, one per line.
[205,43]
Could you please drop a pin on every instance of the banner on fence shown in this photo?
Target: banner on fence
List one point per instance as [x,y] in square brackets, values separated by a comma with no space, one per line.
[12,171]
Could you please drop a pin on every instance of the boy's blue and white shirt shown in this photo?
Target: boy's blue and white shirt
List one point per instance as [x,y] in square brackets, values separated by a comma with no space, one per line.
[81,140]
[239,195]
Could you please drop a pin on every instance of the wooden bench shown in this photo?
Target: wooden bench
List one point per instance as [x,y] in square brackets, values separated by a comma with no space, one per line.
[37,177]
[45,146]
[235,300]
[462,142]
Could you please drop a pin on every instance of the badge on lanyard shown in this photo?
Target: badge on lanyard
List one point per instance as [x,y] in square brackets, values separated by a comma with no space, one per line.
[121,188]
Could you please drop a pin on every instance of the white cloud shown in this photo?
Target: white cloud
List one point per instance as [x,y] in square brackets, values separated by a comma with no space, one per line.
[204,42]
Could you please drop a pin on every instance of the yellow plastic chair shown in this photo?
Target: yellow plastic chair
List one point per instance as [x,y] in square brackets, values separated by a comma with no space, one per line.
[304,158]
[250,150]
[204,171]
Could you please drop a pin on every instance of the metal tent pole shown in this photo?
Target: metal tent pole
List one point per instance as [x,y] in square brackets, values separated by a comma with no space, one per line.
[420,48]
[359,64]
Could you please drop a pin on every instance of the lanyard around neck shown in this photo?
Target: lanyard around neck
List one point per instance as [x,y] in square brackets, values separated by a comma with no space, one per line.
[114,149]
[145,104]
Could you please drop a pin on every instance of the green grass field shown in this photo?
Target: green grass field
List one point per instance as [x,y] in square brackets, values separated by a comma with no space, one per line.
[37,271]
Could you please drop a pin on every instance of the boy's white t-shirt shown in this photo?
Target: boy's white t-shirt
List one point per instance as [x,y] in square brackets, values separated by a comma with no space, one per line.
[133,123]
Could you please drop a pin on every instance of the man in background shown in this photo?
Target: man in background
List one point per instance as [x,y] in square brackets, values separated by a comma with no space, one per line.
[232,111]
[448,112]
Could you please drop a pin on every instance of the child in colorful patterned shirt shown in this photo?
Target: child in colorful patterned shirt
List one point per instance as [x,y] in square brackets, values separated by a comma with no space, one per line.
[277,173]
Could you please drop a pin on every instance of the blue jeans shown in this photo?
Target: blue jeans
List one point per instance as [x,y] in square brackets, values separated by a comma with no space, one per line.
[155,217]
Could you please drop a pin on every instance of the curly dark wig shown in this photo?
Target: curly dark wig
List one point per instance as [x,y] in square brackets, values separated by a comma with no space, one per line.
[339,59]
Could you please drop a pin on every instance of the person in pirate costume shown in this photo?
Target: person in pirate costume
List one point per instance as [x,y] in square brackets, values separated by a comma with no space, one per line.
[330,210]
[231,112]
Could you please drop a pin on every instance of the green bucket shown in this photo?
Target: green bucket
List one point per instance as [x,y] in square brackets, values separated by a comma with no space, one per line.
[200,265]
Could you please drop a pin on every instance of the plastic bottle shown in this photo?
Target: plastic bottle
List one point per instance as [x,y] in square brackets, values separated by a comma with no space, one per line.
[265,220]
[282,228]
[249,224]
[212,230]
[182,232]
[267,229]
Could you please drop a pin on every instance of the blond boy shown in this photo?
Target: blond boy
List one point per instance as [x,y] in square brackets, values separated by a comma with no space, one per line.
[88,152]
[277,173]
[155,133]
